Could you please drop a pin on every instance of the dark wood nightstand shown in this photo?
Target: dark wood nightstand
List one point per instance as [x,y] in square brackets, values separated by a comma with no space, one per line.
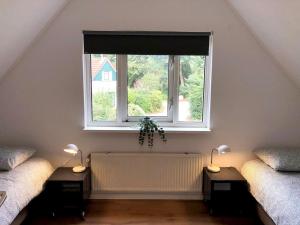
[225,191]
[68,190]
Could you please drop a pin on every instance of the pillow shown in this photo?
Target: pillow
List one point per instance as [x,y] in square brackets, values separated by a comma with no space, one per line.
[12,157]
[280,159]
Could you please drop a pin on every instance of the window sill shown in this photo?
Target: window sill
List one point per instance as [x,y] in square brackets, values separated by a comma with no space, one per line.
[136,129]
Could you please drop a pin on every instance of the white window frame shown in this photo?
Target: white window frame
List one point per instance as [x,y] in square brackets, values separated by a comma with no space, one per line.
[170,123]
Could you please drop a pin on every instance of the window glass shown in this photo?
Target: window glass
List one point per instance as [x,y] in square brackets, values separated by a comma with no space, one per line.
[191,88]
[104,87]
[147,85]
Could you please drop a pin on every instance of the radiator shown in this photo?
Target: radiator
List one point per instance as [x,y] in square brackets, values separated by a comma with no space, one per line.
[146,173]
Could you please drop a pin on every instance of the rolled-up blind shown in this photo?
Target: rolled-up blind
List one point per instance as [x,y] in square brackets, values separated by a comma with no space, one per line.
[146,43]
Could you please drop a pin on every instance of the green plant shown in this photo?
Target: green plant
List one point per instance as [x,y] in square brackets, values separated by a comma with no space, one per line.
[149,101]
[147,128]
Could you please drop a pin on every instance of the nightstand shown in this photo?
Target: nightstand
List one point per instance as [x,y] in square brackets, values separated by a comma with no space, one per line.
[225,191]
[68,190]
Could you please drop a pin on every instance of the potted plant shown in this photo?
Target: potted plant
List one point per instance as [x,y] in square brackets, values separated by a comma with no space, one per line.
[147,128]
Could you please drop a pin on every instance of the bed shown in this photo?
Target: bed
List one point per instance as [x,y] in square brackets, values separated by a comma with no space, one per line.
[277,193]
[21,185]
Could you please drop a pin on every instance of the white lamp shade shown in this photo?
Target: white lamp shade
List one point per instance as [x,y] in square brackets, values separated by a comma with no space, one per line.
[71,148]
[223,149]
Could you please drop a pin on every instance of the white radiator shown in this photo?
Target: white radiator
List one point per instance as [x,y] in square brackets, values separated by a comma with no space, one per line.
[146,175]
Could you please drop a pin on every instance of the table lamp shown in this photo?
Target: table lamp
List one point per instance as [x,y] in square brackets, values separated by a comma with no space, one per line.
[222,149]
[73,149]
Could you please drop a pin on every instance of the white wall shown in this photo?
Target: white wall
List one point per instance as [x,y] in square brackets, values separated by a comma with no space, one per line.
[21,22]
[276,24]
[253,103]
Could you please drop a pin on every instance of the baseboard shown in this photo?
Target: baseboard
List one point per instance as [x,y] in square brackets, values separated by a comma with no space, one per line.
[147,195]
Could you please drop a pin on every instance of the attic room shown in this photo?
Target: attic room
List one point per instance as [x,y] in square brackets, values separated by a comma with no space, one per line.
[149,112]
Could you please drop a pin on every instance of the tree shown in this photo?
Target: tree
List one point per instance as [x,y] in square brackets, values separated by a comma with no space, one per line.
[195,95]
[192,70]
[137,68]
[111,57]
[185,69]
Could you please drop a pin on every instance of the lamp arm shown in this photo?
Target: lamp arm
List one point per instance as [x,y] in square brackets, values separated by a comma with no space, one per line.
[211,155]
[81,157]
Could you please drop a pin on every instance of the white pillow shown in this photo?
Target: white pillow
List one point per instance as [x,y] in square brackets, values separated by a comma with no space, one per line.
[280,159]
[11,157]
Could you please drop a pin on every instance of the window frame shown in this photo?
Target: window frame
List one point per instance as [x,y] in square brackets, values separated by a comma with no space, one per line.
[170,122]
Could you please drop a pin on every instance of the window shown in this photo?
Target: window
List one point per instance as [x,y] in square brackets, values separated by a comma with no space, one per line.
[120,89]
[147,87]
[107,75]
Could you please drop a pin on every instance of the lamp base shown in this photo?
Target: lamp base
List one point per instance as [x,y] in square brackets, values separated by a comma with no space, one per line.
[79,169]
[213,169]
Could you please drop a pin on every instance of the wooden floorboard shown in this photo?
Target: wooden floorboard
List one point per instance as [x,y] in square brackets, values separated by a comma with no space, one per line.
[144,212]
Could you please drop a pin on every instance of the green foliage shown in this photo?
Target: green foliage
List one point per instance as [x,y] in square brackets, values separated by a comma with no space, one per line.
[150,82]
[164,86]
[147,89]
[185,67]
[103,106]
[196,100]
[148,72]
[148,101]
[195,96]
[192,70]
[112,57]
[184,90]
[137,69]
[135,110]
[148,127]
[97,55]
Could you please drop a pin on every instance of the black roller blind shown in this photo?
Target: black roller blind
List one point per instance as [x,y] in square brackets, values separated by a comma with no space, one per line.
[146,43]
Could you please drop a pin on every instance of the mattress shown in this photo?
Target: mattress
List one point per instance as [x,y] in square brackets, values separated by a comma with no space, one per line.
[277,192]
[22,184]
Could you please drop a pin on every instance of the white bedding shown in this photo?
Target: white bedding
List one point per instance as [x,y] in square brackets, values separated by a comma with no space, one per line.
[277,192]
[22,184]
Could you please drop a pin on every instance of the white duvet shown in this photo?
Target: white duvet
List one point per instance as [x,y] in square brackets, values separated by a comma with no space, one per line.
[277,192]
[22,184]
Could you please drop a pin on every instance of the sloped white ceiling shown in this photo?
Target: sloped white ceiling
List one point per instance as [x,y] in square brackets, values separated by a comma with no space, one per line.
[21,21]
[276,23]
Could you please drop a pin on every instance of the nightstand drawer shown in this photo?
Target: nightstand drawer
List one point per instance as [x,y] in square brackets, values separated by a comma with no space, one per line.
[70,187]
[222,187]
[229,186]
[64,186]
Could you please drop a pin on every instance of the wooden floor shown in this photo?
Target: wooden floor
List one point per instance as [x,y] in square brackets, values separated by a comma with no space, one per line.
[142,212]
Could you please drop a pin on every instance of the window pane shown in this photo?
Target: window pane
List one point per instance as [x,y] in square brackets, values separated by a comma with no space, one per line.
[148,85]
[104,87]
[191,87]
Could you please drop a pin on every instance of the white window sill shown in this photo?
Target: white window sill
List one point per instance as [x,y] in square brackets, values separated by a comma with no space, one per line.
[136,129]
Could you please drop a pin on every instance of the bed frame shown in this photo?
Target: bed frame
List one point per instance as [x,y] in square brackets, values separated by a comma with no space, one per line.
[21,216]
[34,204]
[263,216]
[257,210]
